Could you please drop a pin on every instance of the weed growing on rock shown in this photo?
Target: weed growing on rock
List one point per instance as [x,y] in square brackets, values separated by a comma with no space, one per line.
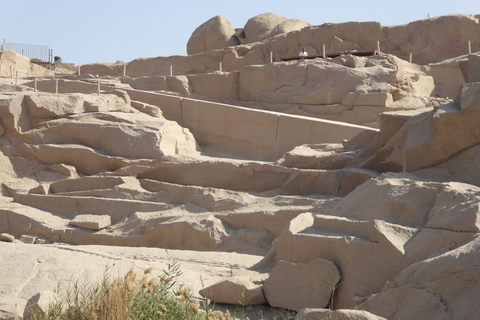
[132,297]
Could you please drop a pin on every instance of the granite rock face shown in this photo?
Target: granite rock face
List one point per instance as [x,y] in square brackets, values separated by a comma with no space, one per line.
[349,183]
[216,33]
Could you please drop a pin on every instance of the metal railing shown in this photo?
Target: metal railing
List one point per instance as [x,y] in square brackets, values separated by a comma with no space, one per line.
[38,54]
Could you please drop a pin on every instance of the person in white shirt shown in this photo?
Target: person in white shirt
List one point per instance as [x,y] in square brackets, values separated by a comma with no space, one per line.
[303,53]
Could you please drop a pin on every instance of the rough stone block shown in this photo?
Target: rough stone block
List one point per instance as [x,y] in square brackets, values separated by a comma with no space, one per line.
[341,314]
[297,286]
[25,238]
[353,178]
[473,68]
[40,189]
[38,304]
[91,221]
[382,99]
[349,99]
[238,290]
[6,237]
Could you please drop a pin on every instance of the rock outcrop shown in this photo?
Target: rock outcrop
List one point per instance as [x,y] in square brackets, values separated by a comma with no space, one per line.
[260,27]
[216,33]
[275,200]
[436,288]
[313,284]
[14,65]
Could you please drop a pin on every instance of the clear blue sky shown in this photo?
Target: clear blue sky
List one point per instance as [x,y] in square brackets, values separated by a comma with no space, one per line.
[88,31]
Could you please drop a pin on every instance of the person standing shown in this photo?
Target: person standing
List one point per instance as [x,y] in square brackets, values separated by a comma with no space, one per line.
[303,53]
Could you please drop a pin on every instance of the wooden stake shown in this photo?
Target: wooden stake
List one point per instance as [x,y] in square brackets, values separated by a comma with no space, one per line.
[98,86]
[16,77]
[171,70]
[3,45]
[378,47]
[124,70]
[79,72]
[411,57]
[271,56]
[469,47]
[323,54]
[35,87]
[221,68]
[56,86]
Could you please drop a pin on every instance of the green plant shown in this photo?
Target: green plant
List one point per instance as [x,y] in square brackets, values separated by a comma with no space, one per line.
[133,297]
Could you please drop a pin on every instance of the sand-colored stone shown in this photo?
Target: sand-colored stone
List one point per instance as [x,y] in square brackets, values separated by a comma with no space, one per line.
[255,160]
[91,221]
[7,237]
[341,314]
[87,265]
[28,239]
[39,304]
[46,106]
[367,231]
[436,288]
[287,26]
[216,33]
[261,26]
[473,68]
[236,291]
[354,178]
[266,135]
[438,30]
[434,137]
[312,284]
[461,168]
[14,64]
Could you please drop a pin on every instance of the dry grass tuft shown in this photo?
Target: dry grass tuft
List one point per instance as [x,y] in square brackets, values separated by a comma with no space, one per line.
[132,298]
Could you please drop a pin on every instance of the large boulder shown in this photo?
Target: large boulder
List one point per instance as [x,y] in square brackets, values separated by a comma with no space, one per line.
[48,106]
[317,83]
[261,26]
[430,40]
[379,229]
[237,291]
[288,26]
[216,33]
[296,286]
[91,221]
[13,64]
[38,268]
[442,287]
[434,137]
[341,314]
[461,168]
